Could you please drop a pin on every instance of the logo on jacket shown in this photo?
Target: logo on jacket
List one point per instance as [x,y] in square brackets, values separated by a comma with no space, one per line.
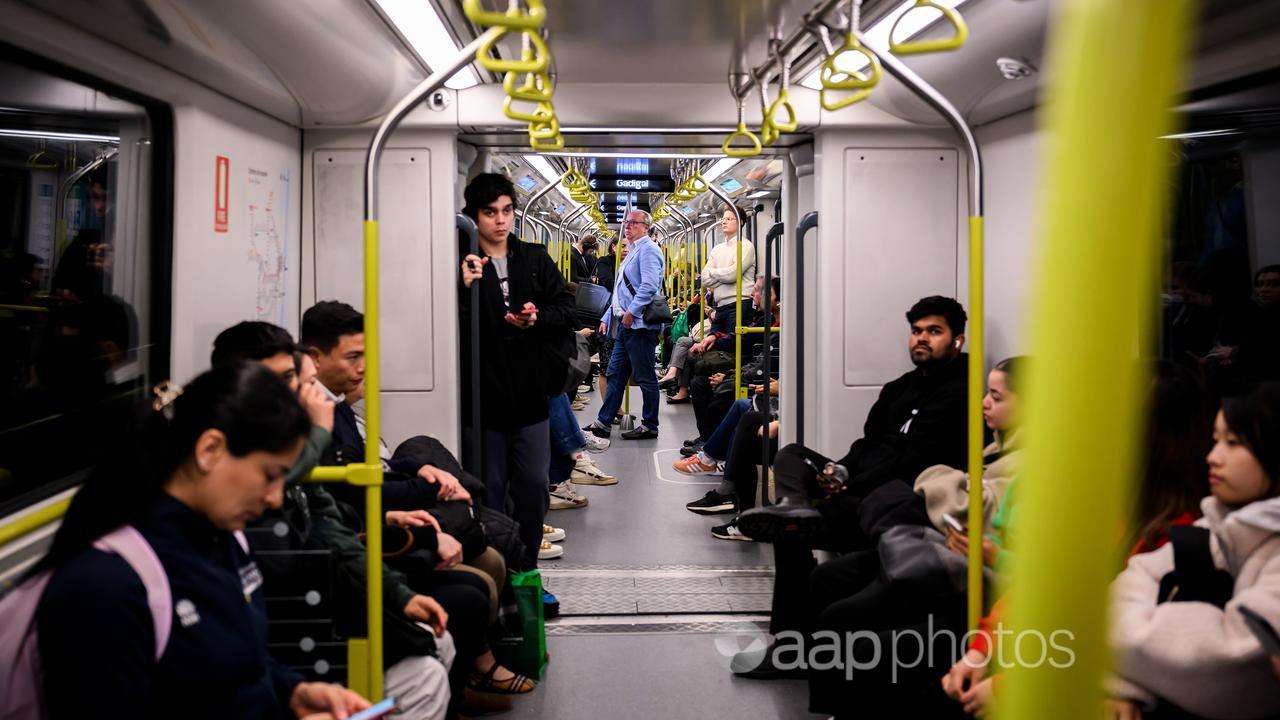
[187,614]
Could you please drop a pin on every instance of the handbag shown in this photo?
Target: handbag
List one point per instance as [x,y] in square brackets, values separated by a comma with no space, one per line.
[916,559]
[525,649]
[589,303]
[460,520]
[579,364]
[658,311]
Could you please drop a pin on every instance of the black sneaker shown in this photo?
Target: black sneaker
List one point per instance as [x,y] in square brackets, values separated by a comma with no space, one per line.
[698,441]
[785,521]
[729,531]
[640,433]
[690,451]
[596,429]
[713,503]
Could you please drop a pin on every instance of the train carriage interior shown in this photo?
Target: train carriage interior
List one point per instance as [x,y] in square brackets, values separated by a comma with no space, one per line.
[1086,186]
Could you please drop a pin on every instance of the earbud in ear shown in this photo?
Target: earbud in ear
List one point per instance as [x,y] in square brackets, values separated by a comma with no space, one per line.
[957,344]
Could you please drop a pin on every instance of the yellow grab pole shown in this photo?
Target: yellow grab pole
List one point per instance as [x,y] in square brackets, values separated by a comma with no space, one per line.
[33,521]
[738,392]
[702,311]
[1103,193]
[372,457]
[977,381]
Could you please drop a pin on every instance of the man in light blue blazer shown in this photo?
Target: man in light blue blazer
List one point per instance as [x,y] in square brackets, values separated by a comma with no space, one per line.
[639,280]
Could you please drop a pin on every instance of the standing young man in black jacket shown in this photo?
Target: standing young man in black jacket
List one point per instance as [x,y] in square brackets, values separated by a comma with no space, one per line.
[526,312]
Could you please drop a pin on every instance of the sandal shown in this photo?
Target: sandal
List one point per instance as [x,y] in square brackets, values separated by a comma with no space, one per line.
[514,685]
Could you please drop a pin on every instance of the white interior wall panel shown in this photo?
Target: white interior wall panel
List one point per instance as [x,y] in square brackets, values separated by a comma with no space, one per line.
[1011,151]
[891,230]
[899,245]
[404,257]
[250,271]
[417,257]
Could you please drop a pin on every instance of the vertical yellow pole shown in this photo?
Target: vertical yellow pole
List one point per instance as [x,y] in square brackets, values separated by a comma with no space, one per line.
[1117,68]
[738,391]
[372,457]
[977,355]
[702,311]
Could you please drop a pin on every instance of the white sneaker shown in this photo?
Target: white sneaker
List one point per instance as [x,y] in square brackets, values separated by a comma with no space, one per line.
[596,444]
[584,388]
[585,472]
[552,534]
[548,551]
[564,497]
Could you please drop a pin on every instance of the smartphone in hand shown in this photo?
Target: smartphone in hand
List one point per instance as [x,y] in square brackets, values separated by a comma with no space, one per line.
[954,524]
[378,710]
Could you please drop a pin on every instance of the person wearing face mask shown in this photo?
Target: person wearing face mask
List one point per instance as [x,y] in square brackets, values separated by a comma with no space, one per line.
[197,471]
[1178,628]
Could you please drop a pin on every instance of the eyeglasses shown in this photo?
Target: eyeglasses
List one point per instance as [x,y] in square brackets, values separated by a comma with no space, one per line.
[634,222]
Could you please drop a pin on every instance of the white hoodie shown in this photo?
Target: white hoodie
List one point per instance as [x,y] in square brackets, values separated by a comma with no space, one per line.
[1192,654]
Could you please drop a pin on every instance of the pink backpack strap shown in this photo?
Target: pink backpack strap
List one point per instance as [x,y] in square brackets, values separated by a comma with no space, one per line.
[129,544]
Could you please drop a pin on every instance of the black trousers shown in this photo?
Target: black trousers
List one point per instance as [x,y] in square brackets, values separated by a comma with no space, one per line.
[742,466]
[709,406]
[903,644]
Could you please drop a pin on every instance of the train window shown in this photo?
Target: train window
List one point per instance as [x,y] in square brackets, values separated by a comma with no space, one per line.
[79,305]
[1218,318]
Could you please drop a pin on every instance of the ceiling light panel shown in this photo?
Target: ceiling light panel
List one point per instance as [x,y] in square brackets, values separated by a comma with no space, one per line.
[418,22]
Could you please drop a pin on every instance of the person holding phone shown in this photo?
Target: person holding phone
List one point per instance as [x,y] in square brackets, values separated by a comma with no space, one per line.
[526,314]
[203,462]
[1195,651]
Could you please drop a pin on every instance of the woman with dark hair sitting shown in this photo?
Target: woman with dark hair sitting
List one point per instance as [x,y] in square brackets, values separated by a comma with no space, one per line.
[200,468]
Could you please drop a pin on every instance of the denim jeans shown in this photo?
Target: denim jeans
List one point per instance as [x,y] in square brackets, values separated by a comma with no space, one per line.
[632,357]
[717,446]
[566,435]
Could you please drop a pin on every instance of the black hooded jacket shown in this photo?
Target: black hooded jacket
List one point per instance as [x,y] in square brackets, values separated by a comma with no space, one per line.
[517,366]
[919,420]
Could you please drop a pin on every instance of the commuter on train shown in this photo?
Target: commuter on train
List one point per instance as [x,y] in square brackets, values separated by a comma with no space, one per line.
[720,274]
[333,333]
[199,468]
[712,400]
[850,593]
[1179,627]
[582,263]
[525,311]
[638,282]
[918,421]
[679,350]
[603,345]
[1174,481]
[417,663]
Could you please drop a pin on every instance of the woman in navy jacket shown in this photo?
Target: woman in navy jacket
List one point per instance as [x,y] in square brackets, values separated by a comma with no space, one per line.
[202,467]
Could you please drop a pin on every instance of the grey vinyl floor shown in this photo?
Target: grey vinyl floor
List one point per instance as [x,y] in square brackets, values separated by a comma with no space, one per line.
[651,601]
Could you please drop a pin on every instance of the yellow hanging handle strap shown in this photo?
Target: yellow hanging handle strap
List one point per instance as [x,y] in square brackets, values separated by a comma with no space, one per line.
[512,19]
[954,42]
[743,133]
[859,82]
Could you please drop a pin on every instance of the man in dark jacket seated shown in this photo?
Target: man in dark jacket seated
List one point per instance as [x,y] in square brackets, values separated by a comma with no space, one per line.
[919,420]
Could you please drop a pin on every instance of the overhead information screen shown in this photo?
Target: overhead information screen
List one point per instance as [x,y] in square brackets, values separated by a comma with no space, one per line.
[632,183]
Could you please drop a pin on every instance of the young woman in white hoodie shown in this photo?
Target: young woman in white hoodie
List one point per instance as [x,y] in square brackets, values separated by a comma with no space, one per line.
[1181,642]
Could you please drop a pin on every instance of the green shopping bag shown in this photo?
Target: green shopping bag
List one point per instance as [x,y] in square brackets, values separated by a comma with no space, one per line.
[525,649]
